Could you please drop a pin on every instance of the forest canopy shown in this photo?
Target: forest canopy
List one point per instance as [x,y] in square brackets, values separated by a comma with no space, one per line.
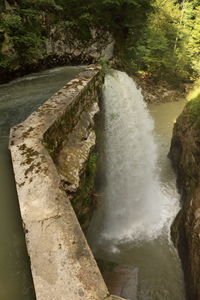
[160,38]
[170,45]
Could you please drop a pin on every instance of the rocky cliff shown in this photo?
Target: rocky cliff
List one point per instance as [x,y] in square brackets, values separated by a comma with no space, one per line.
[185,156]
[59,48]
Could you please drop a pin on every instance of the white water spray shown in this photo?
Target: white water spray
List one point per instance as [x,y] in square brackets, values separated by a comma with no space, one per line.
[135,206]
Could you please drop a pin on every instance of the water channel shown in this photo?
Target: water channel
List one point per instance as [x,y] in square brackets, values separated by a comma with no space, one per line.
[17,100]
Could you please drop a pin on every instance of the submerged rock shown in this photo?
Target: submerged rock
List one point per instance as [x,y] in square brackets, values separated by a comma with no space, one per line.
[121,280]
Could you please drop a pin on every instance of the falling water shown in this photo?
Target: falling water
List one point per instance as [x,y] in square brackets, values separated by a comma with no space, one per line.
[135,206]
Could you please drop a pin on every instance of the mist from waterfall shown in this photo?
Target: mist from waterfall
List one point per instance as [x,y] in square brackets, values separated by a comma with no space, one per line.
[134,205]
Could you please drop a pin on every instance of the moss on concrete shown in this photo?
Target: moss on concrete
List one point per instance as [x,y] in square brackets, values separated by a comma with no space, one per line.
[56,134]
[83,202]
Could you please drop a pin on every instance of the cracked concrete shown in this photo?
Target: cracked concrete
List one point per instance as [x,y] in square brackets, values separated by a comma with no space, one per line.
[62,264]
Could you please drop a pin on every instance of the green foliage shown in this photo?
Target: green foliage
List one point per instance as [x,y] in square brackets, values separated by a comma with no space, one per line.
[158,37]
[41,5]
[11,23]
[88,180]
[194,107]
[4,62]
[23,35]
[192,44]
[92,166]
[30,43]
[28,22]
[194,104]
[105,65]
[83,202]
[169,46]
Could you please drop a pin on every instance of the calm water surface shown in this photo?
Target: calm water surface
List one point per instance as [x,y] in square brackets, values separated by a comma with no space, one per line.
[17,100]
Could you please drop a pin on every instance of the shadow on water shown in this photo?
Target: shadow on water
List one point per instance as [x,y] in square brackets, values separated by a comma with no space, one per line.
[17,100]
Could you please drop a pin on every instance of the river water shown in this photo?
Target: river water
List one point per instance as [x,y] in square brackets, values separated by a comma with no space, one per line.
[136,188]
[17,100]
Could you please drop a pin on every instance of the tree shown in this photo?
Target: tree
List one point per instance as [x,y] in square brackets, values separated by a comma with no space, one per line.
[168,49]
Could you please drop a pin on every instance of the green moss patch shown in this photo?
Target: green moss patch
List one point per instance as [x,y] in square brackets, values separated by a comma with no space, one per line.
[83,202]
[194,109]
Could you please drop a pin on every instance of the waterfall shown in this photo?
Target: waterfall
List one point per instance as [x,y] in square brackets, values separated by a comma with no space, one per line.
[135,206]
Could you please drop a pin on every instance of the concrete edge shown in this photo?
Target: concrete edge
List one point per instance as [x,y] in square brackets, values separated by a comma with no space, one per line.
[62,264]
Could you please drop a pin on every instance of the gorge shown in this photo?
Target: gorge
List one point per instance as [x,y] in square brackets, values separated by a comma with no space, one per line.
[91,159]
[125,249]
[90,163]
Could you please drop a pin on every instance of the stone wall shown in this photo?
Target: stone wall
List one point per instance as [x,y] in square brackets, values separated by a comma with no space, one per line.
[185,156]
[49,152]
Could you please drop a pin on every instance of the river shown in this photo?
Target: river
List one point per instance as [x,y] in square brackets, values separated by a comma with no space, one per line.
[17,100]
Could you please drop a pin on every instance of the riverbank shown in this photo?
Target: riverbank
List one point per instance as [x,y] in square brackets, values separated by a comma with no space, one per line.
[160,92]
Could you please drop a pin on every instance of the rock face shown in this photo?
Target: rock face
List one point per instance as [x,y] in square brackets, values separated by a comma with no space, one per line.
[185,156]
[60,48]
[63,45]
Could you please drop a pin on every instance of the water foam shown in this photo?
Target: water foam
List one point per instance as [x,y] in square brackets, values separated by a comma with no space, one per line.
[135,205]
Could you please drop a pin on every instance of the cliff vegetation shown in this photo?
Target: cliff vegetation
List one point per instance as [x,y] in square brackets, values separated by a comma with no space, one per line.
[156,39]
[194,104]
[169,46]
[33,31]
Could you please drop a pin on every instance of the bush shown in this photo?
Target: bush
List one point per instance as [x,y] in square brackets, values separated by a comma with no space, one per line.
[194,104]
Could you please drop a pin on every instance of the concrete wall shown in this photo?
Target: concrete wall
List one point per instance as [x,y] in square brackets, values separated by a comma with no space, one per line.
[62,264]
